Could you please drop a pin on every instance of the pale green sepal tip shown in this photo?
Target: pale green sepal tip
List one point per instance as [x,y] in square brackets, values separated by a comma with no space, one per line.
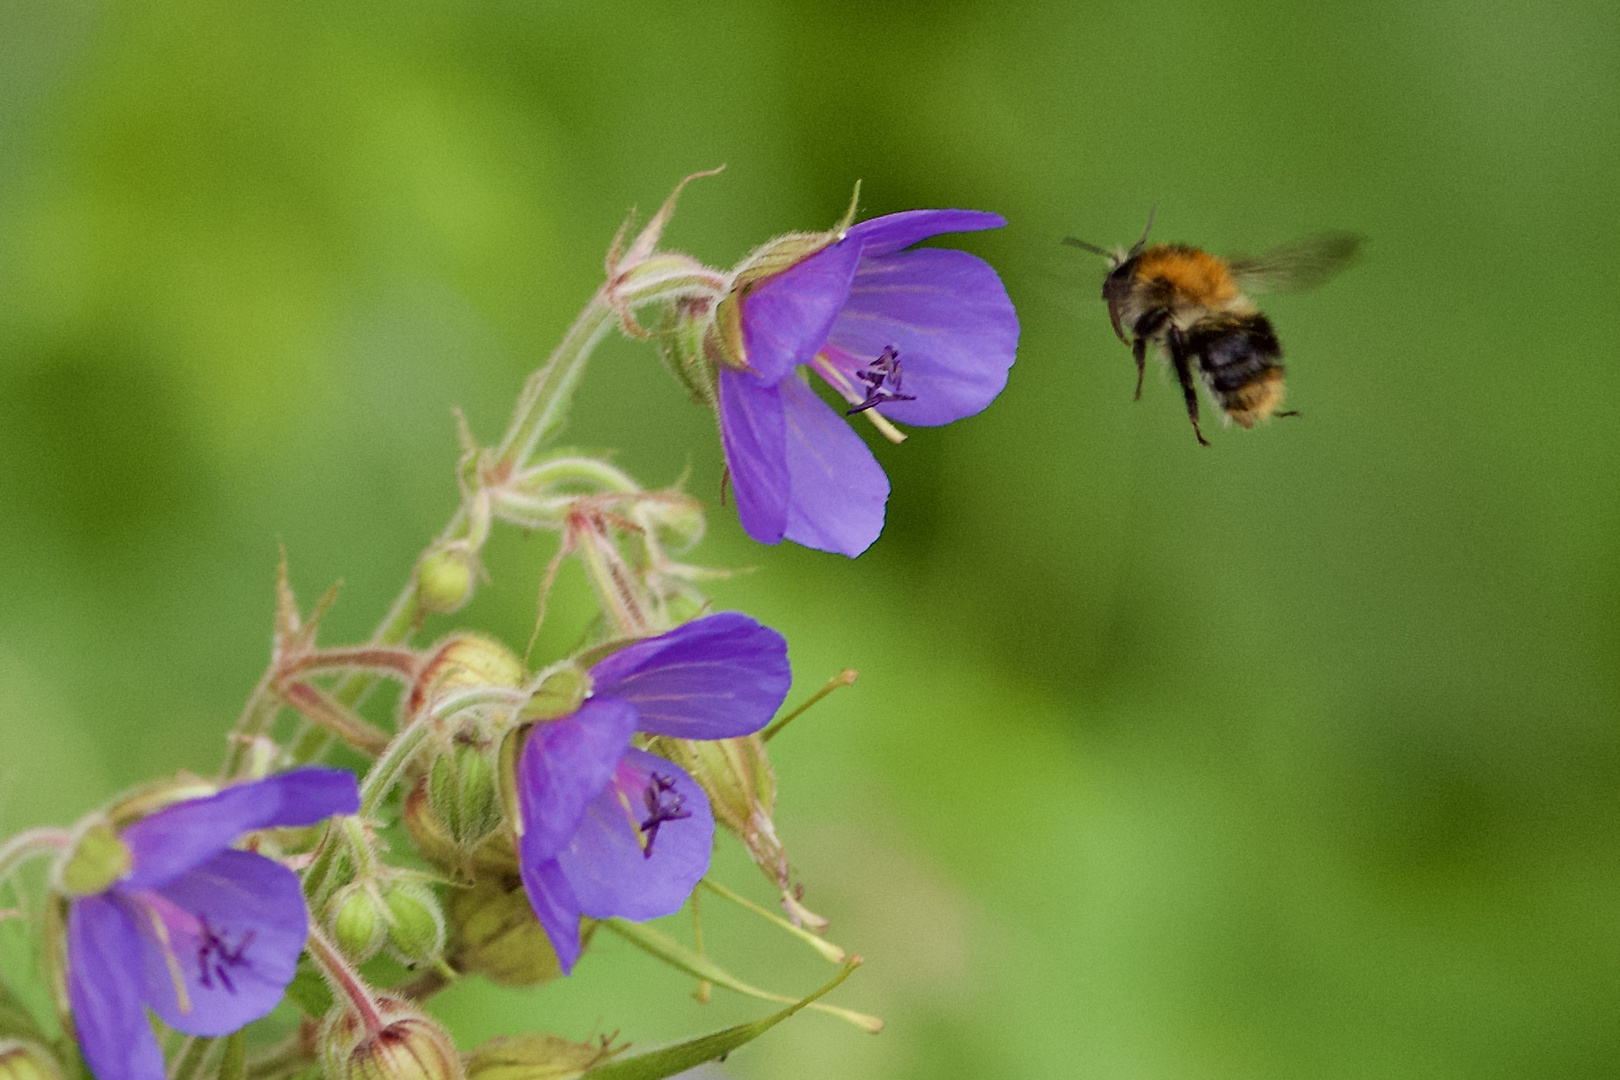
[97,861]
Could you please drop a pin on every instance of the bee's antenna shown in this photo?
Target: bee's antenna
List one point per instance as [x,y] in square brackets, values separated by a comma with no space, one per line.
[1093,248]
[1142,243]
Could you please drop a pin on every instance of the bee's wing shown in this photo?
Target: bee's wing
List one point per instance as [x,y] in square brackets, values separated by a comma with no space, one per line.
[1304,264]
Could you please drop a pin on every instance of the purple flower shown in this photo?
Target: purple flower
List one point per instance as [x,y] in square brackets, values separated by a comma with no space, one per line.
[870,317]
[610,831]
[204,935]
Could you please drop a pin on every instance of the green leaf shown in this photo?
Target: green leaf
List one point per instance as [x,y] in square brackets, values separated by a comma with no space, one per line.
[670,1060]
[699,966]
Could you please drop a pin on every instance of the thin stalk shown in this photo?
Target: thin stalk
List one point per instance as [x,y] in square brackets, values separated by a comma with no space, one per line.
[344,980]
[843,678]
[827,949]
[32,844]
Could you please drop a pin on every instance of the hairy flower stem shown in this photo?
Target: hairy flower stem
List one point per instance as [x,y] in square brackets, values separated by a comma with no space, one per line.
[344,980]
[539,411]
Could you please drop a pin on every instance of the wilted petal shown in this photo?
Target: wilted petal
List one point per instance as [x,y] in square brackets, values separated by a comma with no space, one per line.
[187,834]
[751,433]
[565,763]
[785,317]
[554,905]
[605,862]
[104,971]
[234,927]
[887,234]
[947,315]
[713,678]
[838,488]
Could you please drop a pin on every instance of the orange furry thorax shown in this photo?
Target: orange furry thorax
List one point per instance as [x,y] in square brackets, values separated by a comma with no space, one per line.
[1196,275]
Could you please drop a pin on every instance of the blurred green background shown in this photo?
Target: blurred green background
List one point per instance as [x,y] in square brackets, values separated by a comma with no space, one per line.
[1296,756]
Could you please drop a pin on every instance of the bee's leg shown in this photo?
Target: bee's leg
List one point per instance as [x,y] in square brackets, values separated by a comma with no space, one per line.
[1183,362]
[1148,324]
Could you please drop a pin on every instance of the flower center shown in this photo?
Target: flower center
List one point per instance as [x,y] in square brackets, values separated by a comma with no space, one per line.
[882,381]
[215,957]
[663,805]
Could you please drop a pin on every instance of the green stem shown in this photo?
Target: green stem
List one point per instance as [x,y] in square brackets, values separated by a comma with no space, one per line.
[193,1054]
[546,396]
[843,678]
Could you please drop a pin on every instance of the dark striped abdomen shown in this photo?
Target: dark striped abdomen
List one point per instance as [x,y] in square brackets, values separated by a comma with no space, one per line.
[1238,356]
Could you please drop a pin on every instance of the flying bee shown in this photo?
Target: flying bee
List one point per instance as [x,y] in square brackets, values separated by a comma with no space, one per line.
[1193,306]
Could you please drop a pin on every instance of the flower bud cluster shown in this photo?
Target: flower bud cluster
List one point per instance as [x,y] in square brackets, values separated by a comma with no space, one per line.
[548,805]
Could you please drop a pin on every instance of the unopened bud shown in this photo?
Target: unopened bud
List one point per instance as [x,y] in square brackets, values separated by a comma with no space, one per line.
[461,789]
[494,932]
[359,921]
[97,859]
[415,923]
[465,661]
[20,1060]
[444,579]
[492,857]
[409,1046]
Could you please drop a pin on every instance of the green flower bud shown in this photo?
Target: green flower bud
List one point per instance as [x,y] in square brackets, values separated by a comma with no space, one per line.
[408,1047]
[466,660]
[463,795]
[494,857]
[359,921]
[445,579]
[415,923]
[97,859]
[20,1060]
[494,932]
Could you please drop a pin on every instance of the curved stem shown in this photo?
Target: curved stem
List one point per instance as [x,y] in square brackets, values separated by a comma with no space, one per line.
[344,980]
[32,844]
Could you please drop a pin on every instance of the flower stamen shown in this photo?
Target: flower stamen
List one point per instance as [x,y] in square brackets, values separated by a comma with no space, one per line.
[659,811]
[215,956]
[885,369]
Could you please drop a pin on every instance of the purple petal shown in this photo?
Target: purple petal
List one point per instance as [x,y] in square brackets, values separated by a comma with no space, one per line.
[554,905]
[751,434]
[104,966]
[785,317]
[606,866]
[839,489]
[564,765]
[949,318]
[891,232]
[234,926]
[714,678]
[189,833]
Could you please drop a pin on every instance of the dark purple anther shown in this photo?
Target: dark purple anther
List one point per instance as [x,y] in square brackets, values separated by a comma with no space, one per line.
[885,369]
[660,789]
[214,956]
